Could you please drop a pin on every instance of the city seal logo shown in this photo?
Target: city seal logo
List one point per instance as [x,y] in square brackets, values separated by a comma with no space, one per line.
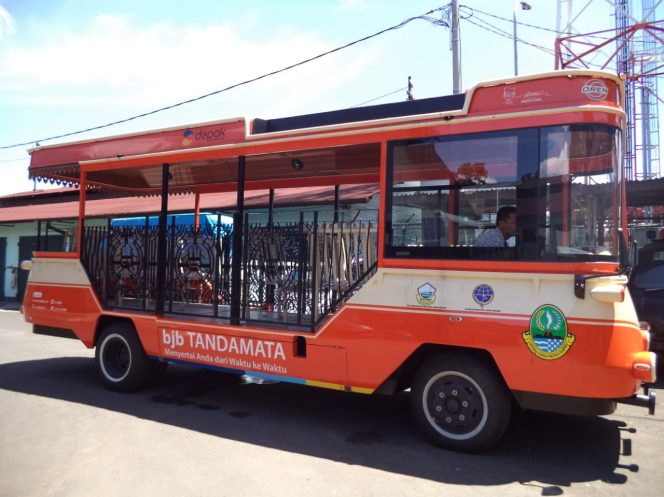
[426,294]
[548,337]
[483,295]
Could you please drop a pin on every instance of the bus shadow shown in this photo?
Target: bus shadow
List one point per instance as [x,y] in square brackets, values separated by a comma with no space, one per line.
[541,450]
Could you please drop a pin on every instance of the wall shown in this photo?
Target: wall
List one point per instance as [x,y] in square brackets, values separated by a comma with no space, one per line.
[13,232]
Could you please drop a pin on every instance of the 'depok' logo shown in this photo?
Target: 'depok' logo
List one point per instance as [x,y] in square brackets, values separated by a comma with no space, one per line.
[207,136]
[548,337]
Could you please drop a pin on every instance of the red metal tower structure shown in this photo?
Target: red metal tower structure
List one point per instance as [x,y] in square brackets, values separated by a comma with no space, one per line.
[637,54]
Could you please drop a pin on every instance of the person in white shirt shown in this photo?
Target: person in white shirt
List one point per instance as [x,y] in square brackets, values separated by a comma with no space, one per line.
[505,228]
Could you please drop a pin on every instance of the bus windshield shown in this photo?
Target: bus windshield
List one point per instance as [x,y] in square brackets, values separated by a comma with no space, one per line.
[444,192]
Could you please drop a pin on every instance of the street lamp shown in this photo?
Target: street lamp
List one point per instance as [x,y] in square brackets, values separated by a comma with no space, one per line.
[523,6]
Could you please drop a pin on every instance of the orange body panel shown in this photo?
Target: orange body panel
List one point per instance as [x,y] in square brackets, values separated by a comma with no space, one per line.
[562,91]
[379,340]
[504,266]
[63,306]
[56,255]
[361,346]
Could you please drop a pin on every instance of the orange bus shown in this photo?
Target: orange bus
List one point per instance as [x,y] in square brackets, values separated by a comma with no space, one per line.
[489,271]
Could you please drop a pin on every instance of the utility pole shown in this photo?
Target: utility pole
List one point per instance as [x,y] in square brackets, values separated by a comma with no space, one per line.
[517,6]
[516,58]
[456,48]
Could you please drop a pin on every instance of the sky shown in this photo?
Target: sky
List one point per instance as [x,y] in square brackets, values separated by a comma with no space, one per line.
[69,65]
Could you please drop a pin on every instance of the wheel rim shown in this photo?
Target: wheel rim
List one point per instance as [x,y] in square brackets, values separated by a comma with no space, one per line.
[455,405]
[115,357]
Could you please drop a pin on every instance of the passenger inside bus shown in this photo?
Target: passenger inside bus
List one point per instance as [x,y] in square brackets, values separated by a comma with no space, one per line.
[505,229]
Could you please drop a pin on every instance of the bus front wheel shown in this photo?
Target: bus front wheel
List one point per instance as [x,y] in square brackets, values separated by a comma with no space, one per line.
[460,402]
[120,359]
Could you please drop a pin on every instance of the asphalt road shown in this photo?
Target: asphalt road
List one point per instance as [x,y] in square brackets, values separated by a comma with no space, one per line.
[199,433]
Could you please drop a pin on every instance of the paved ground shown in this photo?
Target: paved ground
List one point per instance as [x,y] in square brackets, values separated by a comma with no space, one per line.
[197,433]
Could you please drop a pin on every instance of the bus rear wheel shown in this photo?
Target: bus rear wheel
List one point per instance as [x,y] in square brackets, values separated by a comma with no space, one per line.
[120,359]
[460,403]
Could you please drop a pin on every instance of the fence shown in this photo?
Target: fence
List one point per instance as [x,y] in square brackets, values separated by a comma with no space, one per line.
[292,273]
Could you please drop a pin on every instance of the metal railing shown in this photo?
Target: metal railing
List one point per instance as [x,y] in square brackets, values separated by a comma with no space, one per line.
[294,273]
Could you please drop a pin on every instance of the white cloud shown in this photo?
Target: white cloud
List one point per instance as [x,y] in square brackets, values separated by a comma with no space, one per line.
[114,62]
[6,23]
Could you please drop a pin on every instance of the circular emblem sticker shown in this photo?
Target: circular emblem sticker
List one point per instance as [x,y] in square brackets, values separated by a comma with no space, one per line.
[483,294]
[548,337]
[426,294]
[595,89]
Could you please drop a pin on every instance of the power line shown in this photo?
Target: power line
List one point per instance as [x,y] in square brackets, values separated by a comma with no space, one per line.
[13,160]
[511,21]
[496,30]
[505,34]
[521,23]
[425,16]
[493,29]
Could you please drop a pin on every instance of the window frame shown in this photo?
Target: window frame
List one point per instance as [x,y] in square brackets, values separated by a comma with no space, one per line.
[528,186]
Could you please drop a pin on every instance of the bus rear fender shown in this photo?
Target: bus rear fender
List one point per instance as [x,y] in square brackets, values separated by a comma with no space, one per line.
[144,326]
[105,320]
[402,377]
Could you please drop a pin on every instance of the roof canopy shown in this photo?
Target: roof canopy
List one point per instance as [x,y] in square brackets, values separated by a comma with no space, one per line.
[313,167]
[338,147]
[204,156]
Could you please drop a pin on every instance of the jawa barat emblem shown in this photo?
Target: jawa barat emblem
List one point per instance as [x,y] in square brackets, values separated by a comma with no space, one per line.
[426,294]
[548,337]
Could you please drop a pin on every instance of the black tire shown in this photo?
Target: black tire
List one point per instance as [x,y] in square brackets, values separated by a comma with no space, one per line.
[460,402]
[120,359]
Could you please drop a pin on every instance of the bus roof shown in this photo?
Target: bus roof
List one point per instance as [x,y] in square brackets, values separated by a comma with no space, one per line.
[359,114]
[327,148]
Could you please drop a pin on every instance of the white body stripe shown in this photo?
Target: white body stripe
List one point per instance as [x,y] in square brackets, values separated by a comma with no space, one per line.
[62,271]
[514,295]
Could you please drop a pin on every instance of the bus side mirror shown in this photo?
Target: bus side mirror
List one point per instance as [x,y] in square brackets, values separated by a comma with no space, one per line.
[633,254]
[627,259]
[627,256]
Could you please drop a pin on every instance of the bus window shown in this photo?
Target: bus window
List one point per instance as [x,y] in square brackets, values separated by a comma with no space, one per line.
[578,166]
[443,192]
